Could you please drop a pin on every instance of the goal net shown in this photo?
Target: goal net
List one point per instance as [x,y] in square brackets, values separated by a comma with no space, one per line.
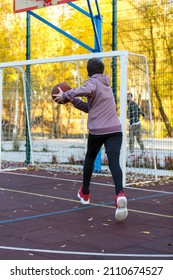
[38,132]
[141,155]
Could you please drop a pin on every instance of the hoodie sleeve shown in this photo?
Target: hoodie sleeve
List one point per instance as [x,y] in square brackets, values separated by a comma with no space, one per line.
[80,105]
[87,90]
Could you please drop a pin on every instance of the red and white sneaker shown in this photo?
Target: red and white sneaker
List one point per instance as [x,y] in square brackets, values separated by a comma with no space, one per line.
[84,198]
[121,212]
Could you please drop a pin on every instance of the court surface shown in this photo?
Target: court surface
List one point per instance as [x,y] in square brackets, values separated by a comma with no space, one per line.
[42,219]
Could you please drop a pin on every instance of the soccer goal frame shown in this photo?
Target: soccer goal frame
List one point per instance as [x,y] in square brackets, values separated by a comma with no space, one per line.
[123,88]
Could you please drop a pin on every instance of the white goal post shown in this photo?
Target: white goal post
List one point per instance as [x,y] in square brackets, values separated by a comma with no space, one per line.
[128,77]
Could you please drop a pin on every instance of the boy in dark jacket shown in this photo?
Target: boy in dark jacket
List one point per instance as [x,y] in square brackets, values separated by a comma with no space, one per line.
[133,114]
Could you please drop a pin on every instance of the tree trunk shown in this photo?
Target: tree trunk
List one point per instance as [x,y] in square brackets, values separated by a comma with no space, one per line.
[156,91]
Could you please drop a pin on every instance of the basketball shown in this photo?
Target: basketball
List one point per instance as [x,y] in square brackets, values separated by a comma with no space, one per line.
[64,88]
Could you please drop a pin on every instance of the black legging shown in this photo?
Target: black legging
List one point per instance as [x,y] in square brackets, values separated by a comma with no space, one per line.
[112,143]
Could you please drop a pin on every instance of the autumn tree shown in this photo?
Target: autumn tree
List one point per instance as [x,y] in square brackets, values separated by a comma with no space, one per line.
[149,31]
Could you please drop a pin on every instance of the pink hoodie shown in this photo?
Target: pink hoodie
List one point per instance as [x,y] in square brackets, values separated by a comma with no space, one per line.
[100,105]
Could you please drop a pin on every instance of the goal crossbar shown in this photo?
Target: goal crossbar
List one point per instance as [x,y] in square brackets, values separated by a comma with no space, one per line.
[64,58]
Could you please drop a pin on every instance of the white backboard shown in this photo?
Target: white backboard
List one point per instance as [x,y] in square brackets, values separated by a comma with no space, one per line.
[27,5]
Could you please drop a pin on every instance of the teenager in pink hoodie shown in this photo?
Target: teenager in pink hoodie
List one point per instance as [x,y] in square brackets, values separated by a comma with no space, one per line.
[104,128]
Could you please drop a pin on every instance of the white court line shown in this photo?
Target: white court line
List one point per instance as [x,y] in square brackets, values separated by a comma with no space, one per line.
[80,181]
[86,253]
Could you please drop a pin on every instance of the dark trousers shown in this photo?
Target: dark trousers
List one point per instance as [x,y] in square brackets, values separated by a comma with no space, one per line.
[135,131]
[112,143]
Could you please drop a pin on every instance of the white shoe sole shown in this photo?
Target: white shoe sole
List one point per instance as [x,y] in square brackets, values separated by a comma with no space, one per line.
[121,211]
[82,200]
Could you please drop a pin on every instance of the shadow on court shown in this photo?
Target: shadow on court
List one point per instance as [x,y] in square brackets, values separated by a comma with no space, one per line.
[42,219]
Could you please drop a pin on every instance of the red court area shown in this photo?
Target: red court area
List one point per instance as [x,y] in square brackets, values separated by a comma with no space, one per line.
[42,219]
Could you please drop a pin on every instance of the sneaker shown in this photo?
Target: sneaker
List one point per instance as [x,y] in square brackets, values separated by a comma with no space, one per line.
[121,207]
[84,198]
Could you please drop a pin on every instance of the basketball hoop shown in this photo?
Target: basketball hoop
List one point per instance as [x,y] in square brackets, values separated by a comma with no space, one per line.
[47,2]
